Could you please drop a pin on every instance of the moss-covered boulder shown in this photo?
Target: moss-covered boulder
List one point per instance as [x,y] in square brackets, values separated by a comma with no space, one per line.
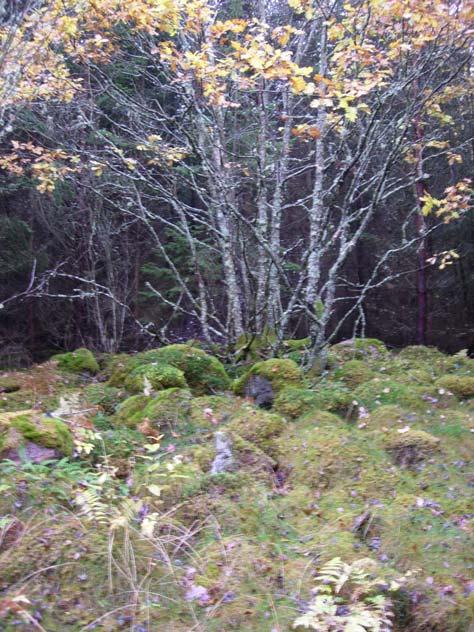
[309,452]
[9,384]
[248,459]
[170,410]
[203,373]
[359,349]
[293,402]
[420,353]
[119,368]
[410,447]
[210,411]
[257,426]
[353,373]
[154,377]
[382,391]
[20,429]
[390,416]
[460,385]
[130,411]
[79,361]
[327,395]
[277,372]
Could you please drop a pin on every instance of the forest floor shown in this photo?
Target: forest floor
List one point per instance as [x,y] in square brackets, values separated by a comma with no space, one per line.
[150,493]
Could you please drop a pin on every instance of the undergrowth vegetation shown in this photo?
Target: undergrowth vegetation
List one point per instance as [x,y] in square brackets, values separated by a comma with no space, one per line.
[146,493]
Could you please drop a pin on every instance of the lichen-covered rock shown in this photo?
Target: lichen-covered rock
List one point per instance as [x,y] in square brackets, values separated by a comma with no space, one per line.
[277,372]
[224,460]
[130,411]
[460,385]
[353,373]
[257,426]
[411,447]
[359,349]
[78,361]
[203,373]
[154,377]
[22,428]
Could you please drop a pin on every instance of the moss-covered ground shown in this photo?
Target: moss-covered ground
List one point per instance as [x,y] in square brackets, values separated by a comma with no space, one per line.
[134,530]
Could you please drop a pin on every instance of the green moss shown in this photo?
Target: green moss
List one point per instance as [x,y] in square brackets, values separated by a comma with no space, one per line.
[411,446]
[280,373]
[170,409]
[320,418]
[257,426]
[383,391]
[353,373]
[420,353]
[459,364]
[293,402]
[45,431]
[359,349]
[326,395]
[252,347]
[209,411]
[203,373]
[9,385]
[107,397]
[157,376]
[298,344]
[389,416]
[131,411]
[119,367]
[77,361]
[320,455]
[460,385]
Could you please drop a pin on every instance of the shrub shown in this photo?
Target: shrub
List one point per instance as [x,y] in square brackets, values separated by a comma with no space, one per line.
[79,361]
[347,597]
